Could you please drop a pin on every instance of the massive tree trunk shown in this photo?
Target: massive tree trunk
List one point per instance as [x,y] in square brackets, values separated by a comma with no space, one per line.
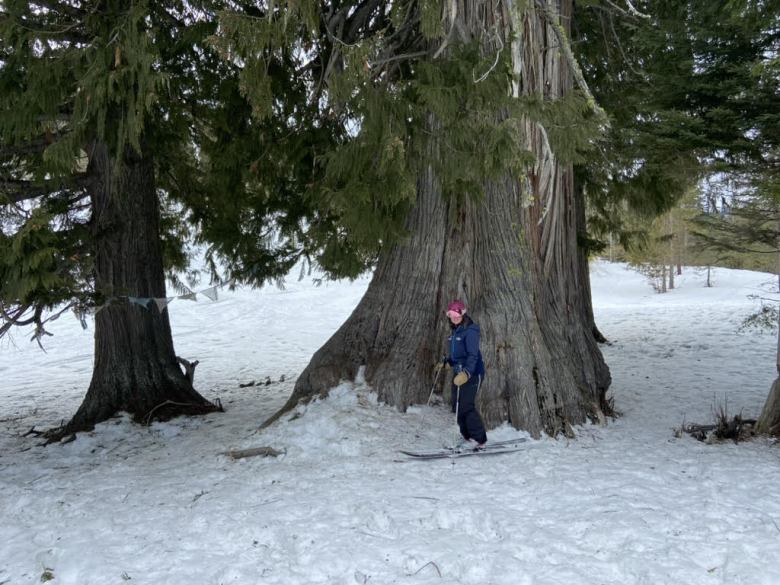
[513,259]
[135,369]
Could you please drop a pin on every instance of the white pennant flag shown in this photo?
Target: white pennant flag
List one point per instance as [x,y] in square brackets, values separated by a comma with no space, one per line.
[162,303]
[142,301]
[210,293]
[190,296]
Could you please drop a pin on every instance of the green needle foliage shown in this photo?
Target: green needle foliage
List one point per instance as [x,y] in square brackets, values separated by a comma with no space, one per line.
[692,90]
[277,130]
[143,79]
[397,106]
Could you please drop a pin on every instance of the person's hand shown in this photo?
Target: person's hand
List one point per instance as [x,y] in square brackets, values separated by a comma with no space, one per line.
[444,361]
[461,379]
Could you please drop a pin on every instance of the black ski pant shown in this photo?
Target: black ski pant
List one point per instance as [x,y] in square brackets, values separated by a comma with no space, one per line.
[469,421]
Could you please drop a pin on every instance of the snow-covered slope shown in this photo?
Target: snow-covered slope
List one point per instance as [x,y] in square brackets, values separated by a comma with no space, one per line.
[621,505]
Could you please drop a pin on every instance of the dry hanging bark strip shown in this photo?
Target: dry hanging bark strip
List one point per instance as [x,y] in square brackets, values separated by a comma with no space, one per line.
[554,21]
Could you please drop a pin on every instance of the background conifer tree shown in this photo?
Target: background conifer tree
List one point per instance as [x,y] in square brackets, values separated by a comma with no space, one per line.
[692,90]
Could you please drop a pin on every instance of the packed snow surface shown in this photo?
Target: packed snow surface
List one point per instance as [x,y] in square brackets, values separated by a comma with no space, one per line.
[624,504]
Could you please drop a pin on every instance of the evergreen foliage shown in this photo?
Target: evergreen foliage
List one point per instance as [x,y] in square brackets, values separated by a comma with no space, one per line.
[690,91]
[398,104]
[746,235]
[141,78]
[290,129]
[284,130]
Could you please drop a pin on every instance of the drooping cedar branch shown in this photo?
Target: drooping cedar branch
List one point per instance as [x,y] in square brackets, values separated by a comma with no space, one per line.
[32,147]
[17,190]
[65,8]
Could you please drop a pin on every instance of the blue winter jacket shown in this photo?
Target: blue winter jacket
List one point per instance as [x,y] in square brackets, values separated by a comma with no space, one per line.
[464,349]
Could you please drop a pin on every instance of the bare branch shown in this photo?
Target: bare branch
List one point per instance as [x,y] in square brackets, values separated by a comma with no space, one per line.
[64,31]
[382,62]
[635,12]
[189,368]
[616,38]
[632,12]
[14,319]
[617,8]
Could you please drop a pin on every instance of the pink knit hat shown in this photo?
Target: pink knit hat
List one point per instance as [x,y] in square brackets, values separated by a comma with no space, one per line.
[456,306]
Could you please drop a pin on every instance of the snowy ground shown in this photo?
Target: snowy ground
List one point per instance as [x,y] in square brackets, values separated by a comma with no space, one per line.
[621,505]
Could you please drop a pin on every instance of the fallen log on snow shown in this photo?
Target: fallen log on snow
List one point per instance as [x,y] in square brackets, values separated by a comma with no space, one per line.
[736,429]
[253,452]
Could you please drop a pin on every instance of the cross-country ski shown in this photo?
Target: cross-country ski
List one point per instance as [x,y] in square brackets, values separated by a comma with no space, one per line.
[466,451]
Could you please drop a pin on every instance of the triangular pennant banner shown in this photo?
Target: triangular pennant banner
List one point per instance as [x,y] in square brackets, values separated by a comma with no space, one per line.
[190,296]
[142,301]
[210,293]
[162,303]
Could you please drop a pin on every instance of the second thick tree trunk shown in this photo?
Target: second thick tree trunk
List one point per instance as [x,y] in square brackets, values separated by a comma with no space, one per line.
[513,259]
[769,419]
[135,369]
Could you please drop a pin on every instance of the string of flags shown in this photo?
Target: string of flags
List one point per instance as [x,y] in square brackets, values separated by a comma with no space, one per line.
[162,302]
[82,311]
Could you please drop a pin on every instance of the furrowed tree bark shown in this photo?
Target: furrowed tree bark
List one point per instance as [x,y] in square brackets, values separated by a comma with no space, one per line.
[769,419]
[136,369]
[513,258]
[585,296]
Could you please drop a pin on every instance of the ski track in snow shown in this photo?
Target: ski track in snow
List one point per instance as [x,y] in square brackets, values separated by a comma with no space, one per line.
[625,504]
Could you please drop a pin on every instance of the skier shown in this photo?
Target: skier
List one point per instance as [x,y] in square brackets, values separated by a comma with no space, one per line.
[466,361]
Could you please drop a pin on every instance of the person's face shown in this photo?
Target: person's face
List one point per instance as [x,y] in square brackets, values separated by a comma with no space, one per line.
[455,317]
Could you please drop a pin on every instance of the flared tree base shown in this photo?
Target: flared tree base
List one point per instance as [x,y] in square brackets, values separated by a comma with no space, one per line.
[769,421]
[155,406]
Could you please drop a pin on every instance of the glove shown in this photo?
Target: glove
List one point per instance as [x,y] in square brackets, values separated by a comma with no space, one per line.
[444,361]
[461,378]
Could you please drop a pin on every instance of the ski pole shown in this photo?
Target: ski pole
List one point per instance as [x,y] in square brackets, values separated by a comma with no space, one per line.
[433,386]
[457,409]
[430,396]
